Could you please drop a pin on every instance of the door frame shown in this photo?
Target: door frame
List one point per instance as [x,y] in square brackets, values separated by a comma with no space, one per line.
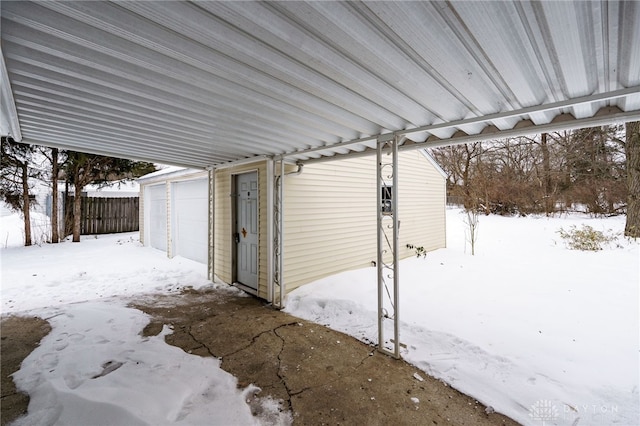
[234,216]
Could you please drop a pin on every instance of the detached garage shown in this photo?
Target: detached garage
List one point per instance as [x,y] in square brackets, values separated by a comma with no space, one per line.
[174,212]
[328,217]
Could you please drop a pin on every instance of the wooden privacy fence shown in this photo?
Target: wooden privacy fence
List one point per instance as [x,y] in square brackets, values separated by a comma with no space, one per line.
[108,215]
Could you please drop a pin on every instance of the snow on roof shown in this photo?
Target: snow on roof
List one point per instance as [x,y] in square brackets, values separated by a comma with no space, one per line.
[126,188]
[166,173]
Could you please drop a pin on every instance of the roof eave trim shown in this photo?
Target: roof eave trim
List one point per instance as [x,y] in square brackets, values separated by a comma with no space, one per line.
[562,121]
[605,115]
[9,116]
[189,173]
[434,163]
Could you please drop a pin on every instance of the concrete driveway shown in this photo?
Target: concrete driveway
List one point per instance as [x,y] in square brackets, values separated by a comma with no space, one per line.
[324,377]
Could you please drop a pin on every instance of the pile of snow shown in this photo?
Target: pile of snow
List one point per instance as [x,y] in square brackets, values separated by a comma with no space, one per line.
[95,367]
[540,333]
[12,228]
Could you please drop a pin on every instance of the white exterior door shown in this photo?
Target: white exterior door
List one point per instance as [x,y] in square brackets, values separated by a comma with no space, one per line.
[246,233]
[189,215]
[157,196]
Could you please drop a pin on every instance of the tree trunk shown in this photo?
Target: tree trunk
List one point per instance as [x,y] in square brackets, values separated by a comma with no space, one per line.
[466,185]
[77,204]
[55,237]
[632,147]
[68,211]
[549,202]
[26,204]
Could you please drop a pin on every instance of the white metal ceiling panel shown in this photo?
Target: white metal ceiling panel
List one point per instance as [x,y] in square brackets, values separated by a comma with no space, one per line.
[207,83]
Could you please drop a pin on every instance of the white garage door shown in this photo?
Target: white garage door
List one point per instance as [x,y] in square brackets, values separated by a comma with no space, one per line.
[190,224]
[157,196]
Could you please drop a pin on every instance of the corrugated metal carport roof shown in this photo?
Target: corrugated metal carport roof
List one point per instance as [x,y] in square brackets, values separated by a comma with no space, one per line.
[199,84]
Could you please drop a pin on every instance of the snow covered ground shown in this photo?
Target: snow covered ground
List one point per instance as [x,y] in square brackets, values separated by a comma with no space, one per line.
[541,333]
[12,228]
[95,367]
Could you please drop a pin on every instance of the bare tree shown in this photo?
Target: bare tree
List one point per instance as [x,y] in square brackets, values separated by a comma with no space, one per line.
[54,159]
[549,202]
[471,232]
[53,156]
[459,161]
[55,229]
[632,147]
[573,169]
[509,172]
[594,169]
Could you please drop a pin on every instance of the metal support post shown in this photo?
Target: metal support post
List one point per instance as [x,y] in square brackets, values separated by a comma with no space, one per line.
[212,225]
[270,222]
[277,298]
[280,248]
[388,227]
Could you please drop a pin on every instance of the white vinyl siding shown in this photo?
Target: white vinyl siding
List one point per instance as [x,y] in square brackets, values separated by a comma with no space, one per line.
[330,215]
[422,194]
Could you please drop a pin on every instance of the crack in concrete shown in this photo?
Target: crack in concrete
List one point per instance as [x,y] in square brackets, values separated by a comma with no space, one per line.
[11,394]
[248,345]
[291,392]
[202,345]
[365,359]
[327,383]
[300,391]
[279,370]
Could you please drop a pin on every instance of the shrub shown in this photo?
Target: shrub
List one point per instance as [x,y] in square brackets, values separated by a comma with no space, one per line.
[420,251]
[586,238]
